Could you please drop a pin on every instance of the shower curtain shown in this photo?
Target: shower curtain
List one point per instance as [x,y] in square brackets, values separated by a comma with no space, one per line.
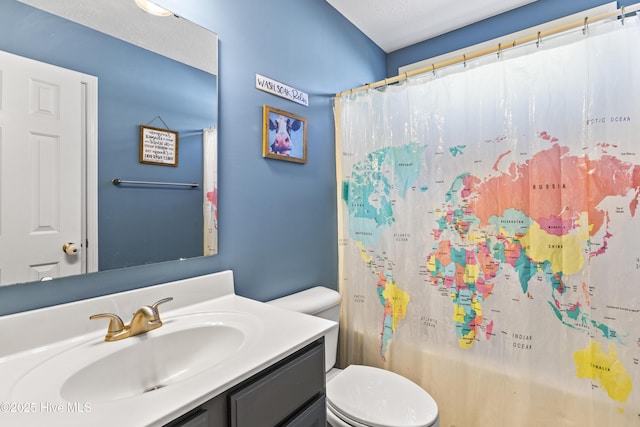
[489,232]
[210,190]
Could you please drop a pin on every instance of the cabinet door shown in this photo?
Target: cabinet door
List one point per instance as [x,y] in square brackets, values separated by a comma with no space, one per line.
[314,415]
[281,393]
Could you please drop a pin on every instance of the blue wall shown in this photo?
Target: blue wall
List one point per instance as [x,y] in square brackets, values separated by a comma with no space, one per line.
[278,225]
[527,16]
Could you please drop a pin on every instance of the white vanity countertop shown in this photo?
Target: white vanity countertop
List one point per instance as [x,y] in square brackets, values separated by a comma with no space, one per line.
[30,339]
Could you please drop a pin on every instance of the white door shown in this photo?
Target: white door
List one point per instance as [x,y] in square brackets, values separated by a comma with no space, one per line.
[40,170]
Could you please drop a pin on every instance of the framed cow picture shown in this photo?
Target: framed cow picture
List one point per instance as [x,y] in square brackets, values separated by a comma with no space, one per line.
[284,135]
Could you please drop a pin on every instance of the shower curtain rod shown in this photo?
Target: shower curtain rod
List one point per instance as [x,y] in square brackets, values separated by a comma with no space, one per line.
[618,13]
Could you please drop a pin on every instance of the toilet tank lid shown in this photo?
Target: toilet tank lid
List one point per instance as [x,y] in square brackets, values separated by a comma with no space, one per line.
[309,301]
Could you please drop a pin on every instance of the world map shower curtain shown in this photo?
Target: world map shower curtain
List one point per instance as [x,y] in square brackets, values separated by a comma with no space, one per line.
[489,232]
[210,190]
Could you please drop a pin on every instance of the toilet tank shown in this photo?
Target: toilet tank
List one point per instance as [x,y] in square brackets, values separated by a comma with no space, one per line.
[321,302]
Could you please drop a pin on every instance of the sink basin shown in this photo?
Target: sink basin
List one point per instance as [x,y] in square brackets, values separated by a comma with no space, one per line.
[153,362]
[97,371]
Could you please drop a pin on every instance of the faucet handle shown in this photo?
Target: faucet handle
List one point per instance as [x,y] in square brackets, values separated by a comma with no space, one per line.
[115,324]
[155,305]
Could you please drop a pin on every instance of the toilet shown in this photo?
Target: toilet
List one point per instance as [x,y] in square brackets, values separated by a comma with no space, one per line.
[362,396]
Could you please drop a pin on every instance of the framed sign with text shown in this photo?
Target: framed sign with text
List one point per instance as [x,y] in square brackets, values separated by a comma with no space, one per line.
[158,146]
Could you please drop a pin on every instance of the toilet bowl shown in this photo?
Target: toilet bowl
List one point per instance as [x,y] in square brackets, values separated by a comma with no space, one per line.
[362,396]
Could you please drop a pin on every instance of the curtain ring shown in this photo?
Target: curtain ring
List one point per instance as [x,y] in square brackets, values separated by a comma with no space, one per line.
[464,56]
[586,25]
[499,50]
[433,69]
[539,42]
[622,14]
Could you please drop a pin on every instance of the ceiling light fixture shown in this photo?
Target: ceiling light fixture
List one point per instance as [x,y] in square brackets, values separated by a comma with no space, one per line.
[153,8]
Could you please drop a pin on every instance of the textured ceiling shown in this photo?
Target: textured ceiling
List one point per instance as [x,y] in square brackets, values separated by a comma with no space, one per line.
[174,37]
[394,24]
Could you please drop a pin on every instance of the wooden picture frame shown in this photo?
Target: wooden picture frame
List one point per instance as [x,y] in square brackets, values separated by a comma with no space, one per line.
[158,146]
[284,135]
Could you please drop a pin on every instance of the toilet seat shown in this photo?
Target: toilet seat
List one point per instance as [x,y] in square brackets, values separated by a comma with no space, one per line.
[372,397]
[334,420]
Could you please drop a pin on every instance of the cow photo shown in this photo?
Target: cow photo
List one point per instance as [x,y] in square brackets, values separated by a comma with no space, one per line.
[284,135]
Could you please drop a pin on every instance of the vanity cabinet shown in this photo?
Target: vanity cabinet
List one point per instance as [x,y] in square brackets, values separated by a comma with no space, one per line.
[289,393]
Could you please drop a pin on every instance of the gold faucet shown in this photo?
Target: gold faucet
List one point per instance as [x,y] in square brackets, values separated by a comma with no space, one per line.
[146,319]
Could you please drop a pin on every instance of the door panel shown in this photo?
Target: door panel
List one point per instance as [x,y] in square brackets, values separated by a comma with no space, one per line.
[40,169]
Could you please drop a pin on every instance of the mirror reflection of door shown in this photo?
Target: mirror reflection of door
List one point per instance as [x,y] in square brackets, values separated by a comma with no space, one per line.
[41,170]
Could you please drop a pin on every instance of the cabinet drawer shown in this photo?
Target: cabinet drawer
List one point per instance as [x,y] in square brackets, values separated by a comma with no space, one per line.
[281,392]
[196,418]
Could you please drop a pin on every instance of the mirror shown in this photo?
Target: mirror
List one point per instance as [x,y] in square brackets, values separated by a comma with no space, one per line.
[174,90]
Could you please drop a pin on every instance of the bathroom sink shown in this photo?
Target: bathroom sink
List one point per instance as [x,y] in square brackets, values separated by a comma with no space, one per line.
[97,371]
[152,363]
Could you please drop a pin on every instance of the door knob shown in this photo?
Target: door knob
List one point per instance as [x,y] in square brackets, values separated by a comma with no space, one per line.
[70,248]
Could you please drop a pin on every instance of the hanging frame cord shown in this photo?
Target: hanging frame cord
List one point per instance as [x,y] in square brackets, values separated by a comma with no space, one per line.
[161,119]
[619,13]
